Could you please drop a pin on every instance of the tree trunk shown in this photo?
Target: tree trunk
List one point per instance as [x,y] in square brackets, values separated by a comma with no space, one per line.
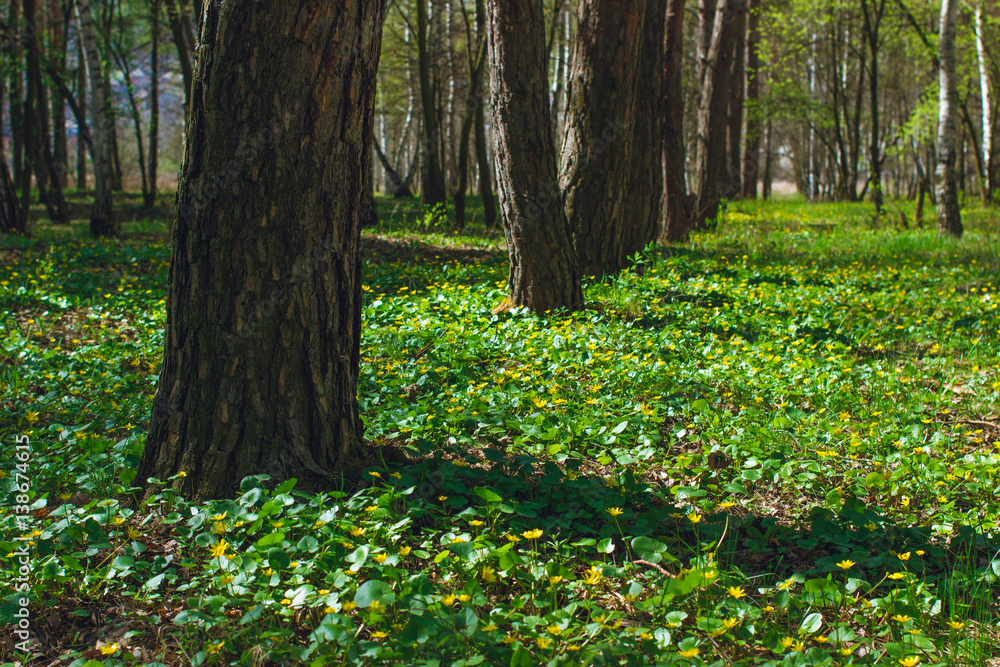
[595,167]
[544,270]
[766,176]
[17,128]
[644,198]
[9,218]
[149,197]
[262,344]
[432,189]
[949,217]
[737,83]
[711,164]
[751,151]
[477,62]
[176,19]
[397,187]
[81,147]
[482,155]
[675,221]
[102,220]
[984,90]
[57,48]
[872,23]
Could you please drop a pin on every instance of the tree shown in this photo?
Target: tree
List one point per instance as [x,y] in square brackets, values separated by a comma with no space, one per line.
[102,220]
[595,167]
[432,188]
[949,217]
[751,150]
[262,343]
[675,221]
[544,271]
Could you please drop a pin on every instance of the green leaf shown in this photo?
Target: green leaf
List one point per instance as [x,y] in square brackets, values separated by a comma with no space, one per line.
[811,623]
[606,546]
[374,590]
[648,548]
[487,495]
[269,540]
[278,559]
[286,486]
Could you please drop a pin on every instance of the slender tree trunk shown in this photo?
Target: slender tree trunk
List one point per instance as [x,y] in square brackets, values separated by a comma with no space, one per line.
[711,163]
[81,146]
[176,19]
[482,153]
[262,343]
[477,62]
[765,180]
[595,167]
[676,220]
[949,217]
[544,270]
[9,217]
[751,152]
[57,50]
[872,11]
[17,93]
[432,189]
[396,187]
[149,197]
[102,221]
[737,91]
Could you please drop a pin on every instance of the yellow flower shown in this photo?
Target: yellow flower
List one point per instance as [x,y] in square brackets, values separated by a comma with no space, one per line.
[921,552]
[219,517]
[376,606]
[786,584]
[769,609]
[442,498]
[405,551]
[798,646]
[905,556]
[846,564]
[371,508]
[133,534]
[555,579]
[286,602]
[182,474]
[846,650]
[512,538]
[786,642]
[726,505]
[912,661]
[117,521]
[475,522]
[554,630]
[349,606]
[212,649]
[900,618]
[357,532]
[543,642]
[381,558]
[489,628]
[219,550]
[731,623]
[694,517]
[374,474]
[821,639]
[464,597]
[489,575]
[614,511]
[532,534]
[379,635]
[956,625]
[736,592]
[219,527]
[895,575]
[592,576]
[645,409]
[109,649]
[690,653]
[448,600]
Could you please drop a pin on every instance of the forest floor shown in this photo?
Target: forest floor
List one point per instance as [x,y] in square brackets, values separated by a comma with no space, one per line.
[778,444]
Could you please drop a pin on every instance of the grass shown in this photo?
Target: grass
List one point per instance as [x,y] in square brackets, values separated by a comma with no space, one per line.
[776,445]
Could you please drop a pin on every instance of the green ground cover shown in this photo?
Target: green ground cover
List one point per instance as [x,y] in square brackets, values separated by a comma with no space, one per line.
[777,444]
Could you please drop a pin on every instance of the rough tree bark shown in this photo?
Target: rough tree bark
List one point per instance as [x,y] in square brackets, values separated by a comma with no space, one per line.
[432,188]
[263,330]
[675,221]
[9,218]
[751,150]
[595,167]
[544,272]
[737,83]
[644,192]
[711,165]
[949,217]
[102,220]
[483,163]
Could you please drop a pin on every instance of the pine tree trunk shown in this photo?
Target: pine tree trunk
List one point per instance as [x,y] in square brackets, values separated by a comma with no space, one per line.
[737,83]
[644,198]
[949,217]
[751,152]
[57,49]
[263,330]
[711,164]
[149,197]
[675,221]
[102,220]
[432,189]
[544,273]
[9,218]
[81,146]
[17,128]
[595,169]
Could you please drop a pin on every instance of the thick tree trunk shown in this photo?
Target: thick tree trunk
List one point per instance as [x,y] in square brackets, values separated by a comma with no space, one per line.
[595,169]
[644,199]
[711,177]
[675,221]
[544,270]
[149,196]
[262,344]
[949,217]
[432,188]
[102,220]
[751,151]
